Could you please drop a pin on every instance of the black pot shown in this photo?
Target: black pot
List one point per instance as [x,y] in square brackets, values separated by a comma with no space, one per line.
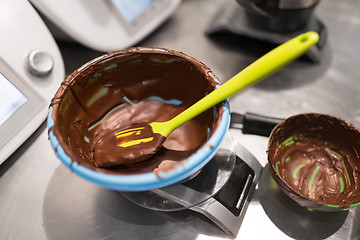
[280,16]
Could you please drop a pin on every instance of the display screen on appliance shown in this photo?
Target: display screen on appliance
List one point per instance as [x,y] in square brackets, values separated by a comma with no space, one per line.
[131,9]
[11,99]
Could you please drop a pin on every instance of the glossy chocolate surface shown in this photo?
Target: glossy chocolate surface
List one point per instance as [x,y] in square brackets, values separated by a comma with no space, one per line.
[132,144]
[134,85]
[317,156]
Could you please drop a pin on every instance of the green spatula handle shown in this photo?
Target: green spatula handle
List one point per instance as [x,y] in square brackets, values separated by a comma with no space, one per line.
[263,67]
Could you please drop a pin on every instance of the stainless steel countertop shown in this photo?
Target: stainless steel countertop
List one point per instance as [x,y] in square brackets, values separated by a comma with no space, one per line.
[40,199]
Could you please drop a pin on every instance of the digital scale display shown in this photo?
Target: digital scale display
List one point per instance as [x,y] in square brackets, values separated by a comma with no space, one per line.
[11,99]
[131,9]
[235,192]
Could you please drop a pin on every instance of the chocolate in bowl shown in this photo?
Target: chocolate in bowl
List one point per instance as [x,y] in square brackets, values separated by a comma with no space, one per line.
[315,160]
[123,87]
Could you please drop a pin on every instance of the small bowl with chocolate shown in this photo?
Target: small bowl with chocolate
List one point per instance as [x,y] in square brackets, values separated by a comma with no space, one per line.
[315,160]
[138,84]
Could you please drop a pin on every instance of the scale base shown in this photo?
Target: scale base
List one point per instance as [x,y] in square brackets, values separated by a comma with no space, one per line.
[232,18]
[225,206]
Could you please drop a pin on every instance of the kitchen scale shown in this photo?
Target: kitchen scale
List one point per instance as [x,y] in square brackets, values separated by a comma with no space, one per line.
[104,25]
[221,191]
[233,18]
[31,70]
[213,201]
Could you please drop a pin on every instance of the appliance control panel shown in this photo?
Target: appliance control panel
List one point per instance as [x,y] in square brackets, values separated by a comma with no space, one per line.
[31,70]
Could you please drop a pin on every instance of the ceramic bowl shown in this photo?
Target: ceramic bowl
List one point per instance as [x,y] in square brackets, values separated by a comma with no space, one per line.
[136,73]
[315,160]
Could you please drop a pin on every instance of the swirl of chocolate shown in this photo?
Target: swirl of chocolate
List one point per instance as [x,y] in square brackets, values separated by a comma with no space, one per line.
[317,157]
[134,85]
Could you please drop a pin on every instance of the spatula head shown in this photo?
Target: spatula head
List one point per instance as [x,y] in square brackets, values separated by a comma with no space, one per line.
[132,144]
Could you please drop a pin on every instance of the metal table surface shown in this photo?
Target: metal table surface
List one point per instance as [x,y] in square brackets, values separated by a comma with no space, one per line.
[40,199]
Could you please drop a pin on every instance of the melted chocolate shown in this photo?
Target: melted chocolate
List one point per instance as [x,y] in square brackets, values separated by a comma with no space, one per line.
[317,157]
[134,85]
[109,151]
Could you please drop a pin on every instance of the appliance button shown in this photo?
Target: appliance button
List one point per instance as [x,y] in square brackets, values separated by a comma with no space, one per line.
[39,63]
